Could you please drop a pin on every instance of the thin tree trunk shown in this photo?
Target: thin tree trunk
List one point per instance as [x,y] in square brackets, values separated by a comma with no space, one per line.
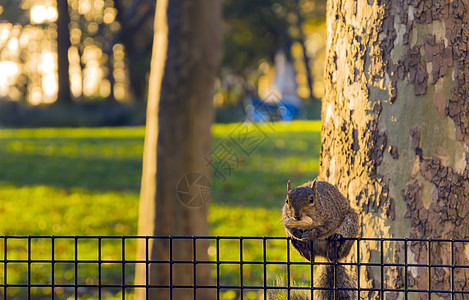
[306,58]
[107,46]
[395,134]
[136,57]
[186,55]
[63,44]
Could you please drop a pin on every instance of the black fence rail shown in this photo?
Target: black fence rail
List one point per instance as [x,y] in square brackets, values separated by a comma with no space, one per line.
[103,267]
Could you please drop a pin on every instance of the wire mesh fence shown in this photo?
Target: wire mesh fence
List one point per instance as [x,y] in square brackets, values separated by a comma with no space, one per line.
[103,267]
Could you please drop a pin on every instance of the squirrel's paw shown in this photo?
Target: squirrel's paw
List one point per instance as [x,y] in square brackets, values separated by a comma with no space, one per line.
[335,243]
[336,237]
[309,235]
[296,233]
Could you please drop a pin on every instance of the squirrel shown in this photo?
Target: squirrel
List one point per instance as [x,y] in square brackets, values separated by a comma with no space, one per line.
[316,214]
[327,275]
[318,218]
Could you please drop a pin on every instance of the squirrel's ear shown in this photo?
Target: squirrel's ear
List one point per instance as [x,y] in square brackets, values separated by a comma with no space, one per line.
[314,185]
[288,186]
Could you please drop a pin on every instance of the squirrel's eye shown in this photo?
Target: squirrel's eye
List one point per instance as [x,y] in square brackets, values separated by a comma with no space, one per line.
[311,199]
[286,200]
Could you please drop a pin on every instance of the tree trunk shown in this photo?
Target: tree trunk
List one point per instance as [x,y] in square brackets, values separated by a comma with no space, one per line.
[137,56]
[63,44]
[186,55]
[308,61]
[395,134]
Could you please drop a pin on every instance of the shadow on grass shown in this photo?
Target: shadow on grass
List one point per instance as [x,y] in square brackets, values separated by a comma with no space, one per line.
[249,188]
[46,162]
[103,163]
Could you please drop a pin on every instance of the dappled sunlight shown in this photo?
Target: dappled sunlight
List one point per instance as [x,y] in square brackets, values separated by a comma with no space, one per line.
[300,68]
[41,13]
[9,71]
[76,85]
[49,80]
[5,28]
[28,53]
[109,15]
[13,44]
[92,70]
[120,75]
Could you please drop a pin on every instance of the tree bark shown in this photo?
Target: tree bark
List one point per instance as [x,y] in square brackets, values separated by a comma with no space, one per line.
[186,55]
[63,44]
[395,134]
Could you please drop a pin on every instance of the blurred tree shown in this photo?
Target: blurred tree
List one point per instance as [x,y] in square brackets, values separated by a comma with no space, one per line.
[395,134]
[255,31]
[13,12]
[136,19]
[63,45]
[187,50]
[306,58]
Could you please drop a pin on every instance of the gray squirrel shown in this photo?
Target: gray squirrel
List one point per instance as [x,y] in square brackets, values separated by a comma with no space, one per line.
[318,218]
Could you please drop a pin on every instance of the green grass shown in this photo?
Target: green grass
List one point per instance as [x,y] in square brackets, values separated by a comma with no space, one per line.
[86,182]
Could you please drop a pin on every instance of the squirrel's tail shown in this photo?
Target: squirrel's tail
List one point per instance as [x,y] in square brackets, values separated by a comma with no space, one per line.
[294,294]
[338,282]
[335,278]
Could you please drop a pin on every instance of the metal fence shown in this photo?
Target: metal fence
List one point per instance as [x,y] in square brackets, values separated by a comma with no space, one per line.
[103,267]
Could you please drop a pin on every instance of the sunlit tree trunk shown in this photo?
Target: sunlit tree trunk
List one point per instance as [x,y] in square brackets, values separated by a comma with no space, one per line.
[186,55]
[395,135]
[63,44]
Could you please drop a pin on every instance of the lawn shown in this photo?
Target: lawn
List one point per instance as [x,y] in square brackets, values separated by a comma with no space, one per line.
[86,181]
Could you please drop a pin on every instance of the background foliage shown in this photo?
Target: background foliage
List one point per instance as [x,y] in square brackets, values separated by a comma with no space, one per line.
[109,46]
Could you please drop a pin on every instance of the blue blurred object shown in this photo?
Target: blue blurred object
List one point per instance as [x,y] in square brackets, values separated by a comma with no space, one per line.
[281,102]
[262,111]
